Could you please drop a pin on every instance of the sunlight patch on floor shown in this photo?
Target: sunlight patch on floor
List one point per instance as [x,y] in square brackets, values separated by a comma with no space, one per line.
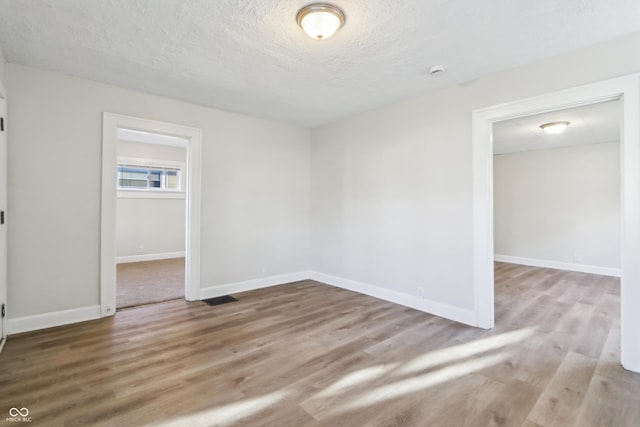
[461,351]
[400,388]
[393,379]
[356,378]
[227,414]
[429,360]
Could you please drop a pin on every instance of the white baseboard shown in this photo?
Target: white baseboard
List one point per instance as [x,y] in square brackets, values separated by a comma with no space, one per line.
[149,257]
[249,285]
[582,268]
[457,314]
[49,320]
[58,318]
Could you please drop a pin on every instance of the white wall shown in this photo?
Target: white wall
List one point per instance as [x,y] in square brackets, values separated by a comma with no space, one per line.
[156,224]
[554,204]
[151,151]
[3,65]
[255,189]
[392,188]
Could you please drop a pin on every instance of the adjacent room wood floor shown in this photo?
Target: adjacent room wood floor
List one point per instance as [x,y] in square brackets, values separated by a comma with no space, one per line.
[307,354]
[148,282]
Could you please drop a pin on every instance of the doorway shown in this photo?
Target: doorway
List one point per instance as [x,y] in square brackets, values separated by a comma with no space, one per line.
[150,218]
[130,172]
[627,89]
[557,191]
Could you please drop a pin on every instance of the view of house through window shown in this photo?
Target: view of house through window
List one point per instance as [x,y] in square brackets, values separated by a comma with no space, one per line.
[131,177]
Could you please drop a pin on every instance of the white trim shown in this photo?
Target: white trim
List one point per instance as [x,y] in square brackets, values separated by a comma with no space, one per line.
[56,318]
[438,309]
[626,88]
[144,162]
[149,257]
[146,194]
[142,137]
[4,283]
[110,125]
[249,285]
[193,211]
[559,265]
[432,307]
[108,216]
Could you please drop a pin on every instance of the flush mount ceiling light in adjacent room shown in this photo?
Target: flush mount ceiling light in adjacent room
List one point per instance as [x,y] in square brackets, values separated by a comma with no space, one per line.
[320,20]
[554,128]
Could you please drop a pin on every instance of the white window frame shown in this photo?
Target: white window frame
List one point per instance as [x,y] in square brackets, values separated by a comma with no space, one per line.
[152,193]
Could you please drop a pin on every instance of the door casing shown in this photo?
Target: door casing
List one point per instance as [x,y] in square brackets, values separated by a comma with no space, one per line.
[3,207]
[110,125]
[627,89]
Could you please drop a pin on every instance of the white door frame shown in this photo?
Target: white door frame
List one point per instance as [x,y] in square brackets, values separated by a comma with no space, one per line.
[3,207]
[627,89]
[110,124]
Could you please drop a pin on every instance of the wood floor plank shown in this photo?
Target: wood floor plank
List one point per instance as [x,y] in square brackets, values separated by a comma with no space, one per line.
[510,406]
[609,403]
[561,400]
[308,354]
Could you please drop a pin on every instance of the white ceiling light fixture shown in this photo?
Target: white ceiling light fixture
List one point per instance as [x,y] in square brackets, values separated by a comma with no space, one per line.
[554,128]
[320,20]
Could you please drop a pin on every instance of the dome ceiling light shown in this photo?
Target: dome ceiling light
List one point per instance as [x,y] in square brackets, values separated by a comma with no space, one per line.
[554,128]
[320,20]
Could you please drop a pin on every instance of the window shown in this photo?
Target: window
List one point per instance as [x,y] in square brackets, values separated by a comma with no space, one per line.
[149,178]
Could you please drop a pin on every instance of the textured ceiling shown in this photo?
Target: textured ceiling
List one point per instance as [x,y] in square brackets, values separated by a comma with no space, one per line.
[251,57]
[589,125]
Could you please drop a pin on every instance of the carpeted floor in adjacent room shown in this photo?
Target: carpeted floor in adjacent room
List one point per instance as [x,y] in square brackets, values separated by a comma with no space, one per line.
[148,282]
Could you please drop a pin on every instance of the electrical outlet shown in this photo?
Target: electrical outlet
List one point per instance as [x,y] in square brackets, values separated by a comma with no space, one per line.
[140,249]
[420,292]
[264,272]
[577,258]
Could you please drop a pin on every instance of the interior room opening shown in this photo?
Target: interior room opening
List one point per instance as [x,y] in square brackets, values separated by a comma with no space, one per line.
[557,221]
[150,217]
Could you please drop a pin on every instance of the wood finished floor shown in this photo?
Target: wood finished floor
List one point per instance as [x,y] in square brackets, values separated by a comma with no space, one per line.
[148,282]
[307,354]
